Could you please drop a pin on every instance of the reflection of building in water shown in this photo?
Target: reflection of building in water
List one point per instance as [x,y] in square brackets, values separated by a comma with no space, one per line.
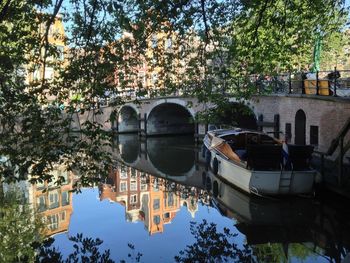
[54,202]
[147,198]
[127,187]
[190,200]
[163,205]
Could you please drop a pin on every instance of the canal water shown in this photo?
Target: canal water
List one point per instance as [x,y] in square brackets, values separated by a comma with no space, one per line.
[161,204]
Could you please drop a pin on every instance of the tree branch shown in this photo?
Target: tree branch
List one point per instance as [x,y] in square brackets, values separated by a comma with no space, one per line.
[4,10]
[260,18]
[46,36]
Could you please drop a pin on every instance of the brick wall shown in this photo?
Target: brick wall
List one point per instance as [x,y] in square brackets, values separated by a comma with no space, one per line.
[328,113]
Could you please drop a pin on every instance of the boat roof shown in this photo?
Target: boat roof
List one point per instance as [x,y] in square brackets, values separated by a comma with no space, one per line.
[235,131]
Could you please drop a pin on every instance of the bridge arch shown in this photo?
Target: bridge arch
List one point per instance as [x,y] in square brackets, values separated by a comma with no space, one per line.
[170,118]
[181,102]
[128,119]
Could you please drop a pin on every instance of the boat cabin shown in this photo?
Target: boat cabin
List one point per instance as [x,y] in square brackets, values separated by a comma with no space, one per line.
[263,152]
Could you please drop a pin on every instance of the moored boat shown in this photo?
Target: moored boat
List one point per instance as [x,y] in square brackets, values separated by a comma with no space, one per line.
[258,163]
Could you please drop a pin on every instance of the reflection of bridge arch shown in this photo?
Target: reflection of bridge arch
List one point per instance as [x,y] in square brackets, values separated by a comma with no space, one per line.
[167,157]
[171,155]
[170,118]
[128,148]
[128,119]
[142,163]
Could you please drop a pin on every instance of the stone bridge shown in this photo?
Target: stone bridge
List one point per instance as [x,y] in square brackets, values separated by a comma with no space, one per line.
[302,119]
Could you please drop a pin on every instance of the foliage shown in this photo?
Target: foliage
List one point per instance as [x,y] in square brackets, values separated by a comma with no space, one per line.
[334,53]
[19,228]
[275,36]
[213,246]
[35,133]
[233,114]
[215,47]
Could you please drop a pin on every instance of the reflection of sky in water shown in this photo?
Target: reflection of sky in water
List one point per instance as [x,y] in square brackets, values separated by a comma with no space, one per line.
[106,220]
[293,220]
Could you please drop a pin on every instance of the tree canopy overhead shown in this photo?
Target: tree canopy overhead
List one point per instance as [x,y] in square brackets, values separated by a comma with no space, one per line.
[196,48]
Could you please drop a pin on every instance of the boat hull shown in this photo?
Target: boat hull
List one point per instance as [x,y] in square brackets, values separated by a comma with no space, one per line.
[280,182]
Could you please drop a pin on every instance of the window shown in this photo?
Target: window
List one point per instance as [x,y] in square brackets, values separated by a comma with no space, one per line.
[170,199]
[166,215]
[155,186]
[154,78]
[36,73]
[49,73]
[53,222]
[53,200]
[156,204]
[133,172]
[168,43]
[133,185]
[123,172]
[41,203]
[40,185]
[142,77]
[143,186]
[59,174]
[65,198]
[60,52]
[154,41]
[63,216]
[154,61]
[156,220]
[314,135]
[64,174]
[123,186]
[51,30]
[133,199]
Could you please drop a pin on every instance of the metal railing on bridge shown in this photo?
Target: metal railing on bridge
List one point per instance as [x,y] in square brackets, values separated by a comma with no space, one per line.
[324,83]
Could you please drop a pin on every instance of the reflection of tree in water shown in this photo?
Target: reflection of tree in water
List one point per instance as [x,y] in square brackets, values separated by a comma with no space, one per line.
[213,246]
[85,250]
[18,228]
[279,253]
[22,235]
